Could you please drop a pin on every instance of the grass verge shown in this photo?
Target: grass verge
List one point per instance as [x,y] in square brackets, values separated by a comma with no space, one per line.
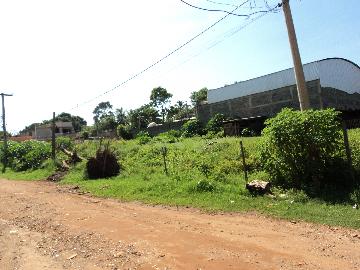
[30,175]
[228,197]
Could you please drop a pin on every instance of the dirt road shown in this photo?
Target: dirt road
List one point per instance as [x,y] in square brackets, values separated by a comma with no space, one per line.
[45,226]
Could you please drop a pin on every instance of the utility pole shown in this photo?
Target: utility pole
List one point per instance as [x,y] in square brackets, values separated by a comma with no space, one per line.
[299,72]
[4,130]
[53,146]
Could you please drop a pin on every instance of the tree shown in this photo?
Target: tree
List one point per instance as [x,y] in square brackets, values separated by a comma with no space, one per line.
[2,134]
[199,96]
[28,129]
[107,123]
[142,117]
[120,116]
[104,117]
[159,98]
[215,124]
[77,121]
[179,110]
[103,109]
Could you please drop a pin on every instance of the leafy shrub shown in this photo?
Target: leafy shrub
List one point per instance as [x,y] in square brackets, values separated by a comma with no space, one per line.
[214,135]
[143,137]
[174,133]
[300,149]
[204,186]
[170,136]
[298,196]
[230,166]
[219,177]
[64,143]
[192,128]
[215,124]
[355,196]
[84,135]
[124,132]
[205,168]
[355,150]
[26,155]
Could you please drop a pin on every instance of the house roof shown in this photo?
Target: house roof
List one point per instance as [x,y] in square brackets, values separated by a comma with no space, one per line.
[337,73]
[58,124]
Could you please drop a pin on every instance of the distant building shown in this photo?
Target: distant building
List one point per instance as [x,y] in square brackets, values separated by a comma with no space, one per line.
[331,83]
[44,132]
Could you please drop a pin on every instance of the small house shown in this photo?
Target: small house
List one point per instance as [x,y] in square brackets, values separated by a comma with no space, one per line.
[44,132]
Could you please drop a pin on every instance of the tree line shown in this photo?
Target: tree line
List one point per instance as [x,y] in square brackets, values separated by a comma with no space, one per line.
[158,110]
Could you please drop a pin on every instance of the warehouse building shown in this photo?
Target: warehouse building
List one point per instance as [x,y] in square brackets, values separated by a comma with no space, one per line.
[331,83]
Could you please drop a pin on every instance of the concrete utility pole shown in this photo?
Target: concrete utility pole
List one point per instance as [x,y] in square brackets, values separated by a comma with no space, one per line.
[299,72]
[4,130]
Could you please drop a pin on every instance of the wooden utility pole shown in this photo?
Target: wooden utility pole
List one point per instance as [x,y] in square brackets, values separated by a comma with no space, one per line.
[299,72]
[53,155]
[4,130]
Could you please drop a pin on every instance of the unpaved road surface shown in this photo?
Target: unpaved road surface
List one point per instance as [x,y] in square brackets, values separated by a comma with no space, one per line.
[46,226]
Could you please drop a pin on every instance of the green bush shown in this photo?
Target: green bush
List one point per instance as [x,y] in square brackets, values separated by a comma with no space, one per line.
[124,132]
[215,124]
[64,143]
[88,132]
[143,137]
[192,128]
[354,137]
[204,186]
[26,155]
[212,135]
[304,150]
[84,135]
[170,136]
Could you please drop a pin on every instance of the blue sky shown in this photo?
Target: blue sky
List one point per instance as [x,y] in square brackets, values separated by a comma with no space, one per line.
[56,54]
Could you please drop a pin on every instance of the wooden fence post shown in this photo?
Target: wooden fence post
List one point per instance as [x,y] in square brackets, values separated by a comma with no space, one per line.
[348,150]
[243,160]
[164,152]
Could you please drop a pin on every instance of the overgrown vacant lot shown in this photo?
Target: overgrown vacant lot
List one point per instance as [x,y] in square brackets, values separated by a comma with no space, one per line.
[203,172]
[207,173]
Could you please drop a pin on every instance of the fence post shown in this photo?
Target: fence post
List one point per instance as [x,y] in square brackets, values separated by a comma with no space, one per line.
[164,152]
[53,146]
[348,150]
[243,160]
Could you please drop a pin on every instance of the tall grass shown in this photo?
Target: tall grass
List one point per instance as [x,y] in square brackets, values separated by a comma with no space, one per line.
[192,162]
[196,160]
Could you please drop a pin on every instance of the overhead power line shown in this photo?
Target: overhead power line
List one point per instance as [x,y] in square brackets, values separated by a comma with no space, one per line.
[273,9]
[219,3]
[232,5]
[226,11]
[161,59]
[225,36]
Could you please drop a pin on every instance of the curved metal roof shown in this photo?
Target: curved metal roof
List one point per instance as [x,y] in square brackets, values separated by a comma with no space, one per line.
[337,73]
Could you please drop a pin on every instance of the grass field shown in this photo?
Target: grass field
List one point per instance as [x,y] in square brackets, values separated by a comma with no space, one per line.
[204,173]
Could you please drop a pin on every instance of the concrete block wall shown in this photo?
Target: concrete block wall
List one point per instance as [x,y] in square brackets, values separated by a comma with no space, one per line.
[261,104]
[333,98]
